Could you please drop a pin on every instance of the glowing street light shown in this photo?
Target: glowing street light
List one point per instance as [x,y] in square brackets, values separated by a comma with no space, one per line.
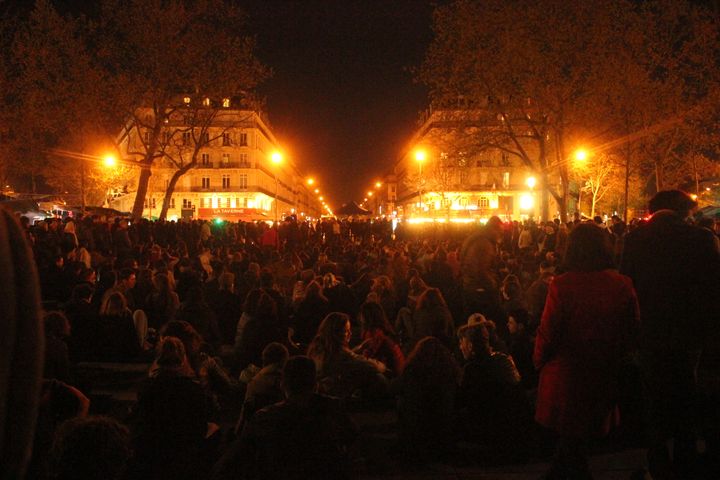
[581,155]
[110,161]
[370,194]
[378,184]
[317,190]
[310,181]
[531,182]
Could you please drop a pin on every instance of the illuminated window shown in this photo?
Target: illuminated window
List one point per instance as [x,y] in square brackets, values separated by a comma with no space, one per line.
[226,103]
[225,158]
[243,140]
[243,181]
[226,139]
[483,202]
[186,100]
[206,182]
[205,159]
[202,203]
[227,202]
[206,102]
[506,179]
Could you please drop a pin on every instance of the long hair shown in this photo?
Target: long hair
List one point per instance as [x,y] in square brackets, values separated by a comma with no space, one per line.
[431,299]
[172,357]
[114,304]
[330,339]
[431,363]
[372,317]
[588,250]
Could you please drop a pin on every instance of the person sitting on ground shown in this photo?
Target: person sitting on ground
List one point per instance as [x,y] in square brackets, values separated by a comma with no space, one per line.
[170,420]
[493,409]
[432,318]
[341,372]
[305,436]
[264,389]
[91,448]
[117,339]
[426,393]
[377,335]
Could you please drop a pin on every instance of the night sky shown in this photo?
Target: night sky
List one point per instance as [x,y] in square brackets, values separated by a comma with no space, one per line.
[342,100]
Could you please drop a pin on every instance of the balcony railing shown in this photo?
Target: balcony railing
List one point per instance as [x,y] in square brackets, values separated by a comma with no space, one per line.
[218,165]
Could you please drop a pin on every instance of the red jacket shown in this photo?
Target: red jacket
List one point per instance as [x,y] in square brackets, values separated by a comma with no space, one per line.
[589,324]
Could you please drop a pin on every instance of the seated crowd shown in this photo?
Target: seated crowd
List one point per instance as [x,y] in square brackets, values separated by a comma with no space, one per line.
[260,358]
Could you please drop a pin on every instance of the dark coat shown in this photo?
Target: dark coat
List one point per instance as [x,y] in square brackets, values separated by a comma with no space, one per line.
[675,268]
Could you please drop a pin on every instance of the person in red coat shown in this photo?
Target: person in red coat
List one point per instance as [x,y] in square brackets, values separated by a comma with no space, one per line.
[589,325]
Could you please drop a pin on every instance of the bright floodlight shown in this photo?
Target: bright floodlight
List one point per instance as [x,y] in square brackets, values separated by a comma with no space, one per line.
[109,161]
[526,202]
[276,158]
[531,182]
[581,155]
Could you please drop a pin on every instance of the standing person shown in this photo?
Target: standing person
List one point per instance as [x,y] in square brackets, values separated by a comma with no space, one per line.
[676,270]
[479,282]
[588,326]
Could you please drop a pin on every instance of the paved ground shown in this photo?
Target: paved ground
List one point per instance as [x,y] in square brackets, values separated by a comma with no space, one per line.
[616,466]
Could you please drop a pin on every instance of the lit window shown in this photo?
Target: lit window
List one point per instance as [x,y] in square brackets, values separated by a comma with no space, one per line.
[484,202]
[206,102]
[186,100]
[227,202]
[506,179]
[226,103]
[225,158]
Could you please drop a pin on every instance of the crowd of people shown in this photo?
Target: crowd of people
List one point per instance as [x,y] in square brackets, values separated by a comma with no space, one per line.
[262,343]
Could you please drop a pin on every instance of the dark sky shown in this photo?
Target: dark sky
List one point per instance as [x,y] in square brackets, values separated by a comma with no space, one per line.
[342,98]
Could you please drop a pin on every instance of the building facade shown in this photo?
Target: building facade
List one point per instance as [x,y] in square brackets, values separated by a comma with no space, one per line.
[234,176]
[443,175]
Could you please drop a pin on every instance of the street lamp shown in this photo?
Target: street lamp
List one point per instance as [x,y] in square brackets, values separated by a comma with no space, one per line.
[277,159]
[310,181]
[378,184]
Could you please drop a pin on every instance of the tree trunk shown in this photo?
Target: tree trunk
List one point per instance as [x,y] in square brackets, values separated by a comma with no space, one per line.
[171,188]
[143,180]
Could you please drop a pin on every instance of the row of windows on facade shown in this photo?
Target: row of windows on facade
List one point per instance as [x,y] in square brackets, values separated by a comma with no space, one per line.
[242,181]
[461,160]
[186,138]
[204,202]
